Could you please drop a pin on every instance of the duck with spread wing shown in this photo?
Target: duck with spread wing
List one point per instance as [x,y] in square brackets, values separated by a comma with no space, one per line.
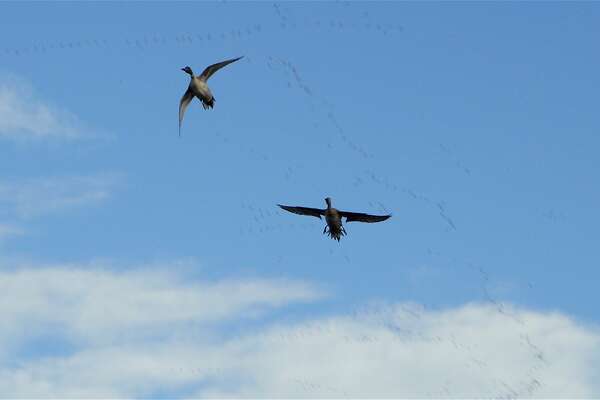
[333,217]
[199,88]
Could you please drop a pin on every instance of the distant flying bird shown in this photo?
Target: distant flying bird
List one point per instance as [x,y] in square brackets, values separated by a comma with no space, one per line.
[333,217]
[198,88]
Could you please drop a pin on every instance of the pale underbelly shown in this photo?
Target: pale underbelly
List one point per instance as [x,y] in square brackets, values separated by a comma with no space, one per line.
[202,91]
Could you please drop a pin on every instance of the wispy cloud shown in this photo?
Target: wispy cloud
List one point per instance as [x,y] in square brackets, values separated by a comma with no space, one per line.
[159,331]
[7,230]
[34,197]
[97,303]
[25,116]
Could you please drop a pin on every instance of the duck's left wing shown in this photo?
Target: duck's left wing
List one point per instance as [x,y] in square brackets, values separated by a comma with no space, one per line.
[211,69]
[361,217]
[183,104]
[314,212]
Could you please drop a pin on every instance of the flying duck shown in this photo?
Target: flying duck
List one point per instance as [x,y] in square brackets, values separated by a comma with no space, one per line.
[333,217]
[198,88]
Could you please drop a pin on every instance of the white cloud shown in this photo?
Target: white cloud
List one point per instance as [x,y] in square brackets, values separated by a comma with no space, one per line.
[135,334]
[93,304]
[23,115]
[401,351]
[38,196]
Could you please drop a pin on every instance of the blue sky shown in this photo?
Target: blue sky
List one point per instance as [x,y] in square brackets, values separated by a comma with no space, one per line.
[474,124]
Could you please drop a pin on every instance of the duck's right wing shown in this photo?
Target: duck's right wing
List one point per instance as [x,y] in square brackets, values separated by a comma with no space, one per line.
[183,104]
[211,69]
[313,212]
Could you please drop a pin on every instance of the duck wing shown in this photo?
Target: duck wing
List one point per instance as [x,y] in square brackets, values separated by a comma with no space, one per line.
[361,217]
[211,69]
[314,212]
[183,104]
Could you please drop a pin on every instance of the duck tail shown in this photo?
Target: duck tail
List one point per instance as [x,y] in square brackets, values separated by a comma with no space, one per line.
[208,103]
[336,234]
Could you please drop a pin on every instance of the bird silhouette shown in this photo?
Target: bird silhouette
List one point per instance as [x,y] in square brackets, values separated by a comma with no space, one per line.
[333,217]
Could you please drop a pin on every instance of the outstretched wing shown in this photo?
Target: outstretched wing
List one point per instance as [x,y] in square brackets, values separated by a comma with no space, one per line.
[211,69]
[183,104]
[361,217]
[314,212]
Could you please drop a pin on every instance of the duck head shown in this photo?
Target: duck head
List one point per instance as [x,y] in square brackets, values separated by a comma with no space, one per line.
[328,201]
[188,70]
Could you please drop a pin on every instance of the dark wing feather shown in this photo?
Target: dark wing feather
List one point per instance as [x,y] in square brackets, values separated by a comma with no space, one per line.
[361,217]
[183,104]
[211,69]
[314,212]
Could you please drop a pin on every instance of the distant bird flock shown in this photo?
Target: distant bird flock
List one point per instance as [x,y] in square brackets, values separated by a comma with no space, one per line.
[333,217]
